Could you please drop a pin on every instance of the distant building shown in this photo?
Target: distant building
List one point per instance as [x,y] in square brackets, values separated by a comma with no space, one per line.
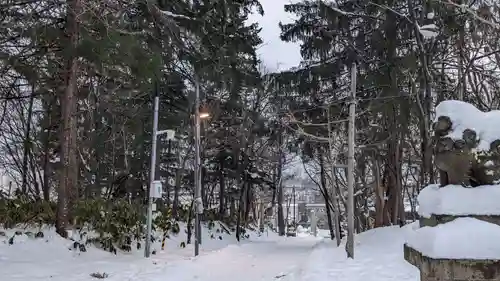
[299,195]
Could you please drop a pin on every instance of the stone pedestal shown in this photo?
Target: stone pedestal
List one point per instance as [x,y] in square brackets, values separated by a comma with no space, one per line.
[434,220]
[452,269]
[459,234]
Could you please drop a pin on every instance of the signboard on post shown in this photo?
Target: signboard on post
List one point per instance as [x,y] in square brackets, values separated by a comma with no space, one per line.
[156,190]
[170,134]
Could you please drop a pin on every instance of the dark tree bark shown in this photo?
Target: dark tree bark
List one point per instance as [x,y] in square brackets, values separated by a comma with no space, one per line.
[222,189]
[68,178]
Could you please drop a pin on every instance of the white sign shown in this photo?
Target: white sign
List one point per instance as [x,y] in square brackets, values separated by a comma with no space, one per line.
[170,134]
[156,190]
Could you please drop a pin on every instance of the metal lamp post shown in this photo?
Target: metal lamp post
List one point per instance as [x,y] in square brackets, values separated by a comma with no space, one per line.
[197,168]
[154,190]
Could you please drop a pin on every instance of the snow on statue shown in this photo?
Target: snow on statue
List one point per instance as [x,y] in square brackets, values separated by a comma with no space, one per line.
[459,234]
[466,144]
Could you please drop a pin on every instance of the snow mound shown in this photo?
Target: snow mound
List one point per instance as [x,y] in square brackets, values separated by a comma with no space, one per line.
[462,238]
[459,201]
[378,256]
[466,116]
[52,258]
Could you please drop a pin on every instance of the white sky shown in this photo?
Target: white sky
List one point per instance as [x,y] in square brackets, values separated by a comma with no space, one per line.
[276,54]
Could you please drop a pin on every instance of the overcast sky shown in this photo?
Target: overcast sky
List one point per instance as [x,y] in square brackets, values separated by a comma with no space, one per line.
[275,53]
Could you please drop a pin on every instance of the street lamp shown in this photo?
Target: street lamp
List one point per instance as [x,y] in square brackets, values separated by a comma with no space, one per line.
[197,168]
[155,189]
[155,186]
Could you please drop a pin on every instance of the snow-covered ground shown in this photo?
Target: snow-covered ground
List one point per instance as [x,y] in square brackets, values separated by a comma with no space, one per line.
[267,259]
[378,256]
[49,258]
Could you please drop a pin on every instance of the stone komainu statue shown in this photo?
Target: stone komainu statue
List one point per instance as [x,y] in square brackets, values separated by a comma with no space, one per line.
[459,160]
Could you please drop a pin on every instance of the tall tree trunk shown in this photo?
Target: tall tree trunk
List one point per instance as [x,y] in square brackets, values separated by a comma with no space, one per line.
[189,223]
[36,175]
[240,211]
[279,193]
[462,83]
[281,218]
[222,189]
[335,204]
[95,191]
[379,194]
[393,178]
[393,166]
[126,164]
[248,203]
[27,142]
[204,191]
[168,185]
[232,207]
[424,98]
[69,169]
[46,151]
[178,177]
[334,232]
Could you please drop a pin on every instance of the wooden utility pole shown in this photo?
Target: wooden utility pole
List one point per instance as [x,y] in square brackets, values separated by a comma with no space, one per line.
[350,166]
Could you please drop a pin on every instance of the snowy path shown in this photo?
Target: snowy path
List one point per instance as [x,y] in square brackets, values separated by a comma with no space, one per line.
[378,256]
[254,261]
[258,258]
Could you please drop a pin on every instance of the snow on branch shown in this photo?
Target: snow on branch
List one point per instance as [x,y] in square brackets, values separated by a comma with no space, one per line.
[172,15]
[471,12]
[428,31]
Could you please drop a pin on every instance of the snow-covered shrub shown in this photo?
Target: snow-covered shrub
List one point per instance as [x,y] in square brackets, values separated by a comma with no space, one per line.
[26,211]
[116,223]
[164,222]
[183,212]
